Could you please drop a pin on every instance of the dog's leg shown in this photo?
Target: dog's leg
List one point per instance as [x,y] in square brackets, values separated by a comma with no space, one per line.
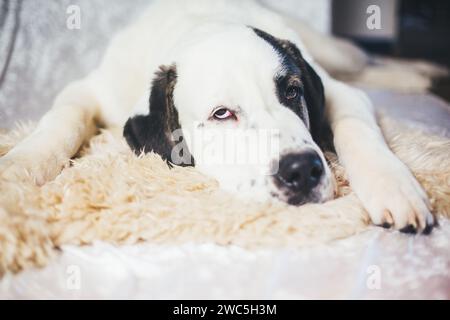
[386,187]
[57,137]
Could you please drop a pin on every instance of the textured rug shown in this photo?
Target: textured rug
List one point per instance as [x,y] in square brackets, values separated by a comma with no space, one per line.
[109,194]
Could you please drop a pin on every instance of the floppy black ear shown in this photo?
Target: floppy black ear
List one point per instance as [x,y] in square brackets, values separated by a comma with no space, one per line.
[313,88]
[153,132]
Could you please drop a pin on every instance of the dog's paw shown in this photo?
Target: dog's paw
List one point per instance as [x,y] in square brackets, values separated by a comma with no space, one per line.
[19,166]
[394,198]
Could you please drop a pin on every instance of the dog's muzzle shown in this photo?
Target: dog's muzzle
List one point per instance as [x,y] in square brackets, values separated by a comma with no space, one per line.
[298,176]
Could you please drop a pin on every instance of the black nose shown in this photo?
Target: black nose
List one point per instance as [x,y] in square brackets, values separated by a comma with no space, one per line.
[300,172]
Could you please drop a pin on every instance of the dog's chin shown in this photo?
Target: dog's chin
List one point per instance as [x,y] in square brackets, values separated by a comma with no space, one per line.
[295,200]
[267,192]
[298,200]
[320,195]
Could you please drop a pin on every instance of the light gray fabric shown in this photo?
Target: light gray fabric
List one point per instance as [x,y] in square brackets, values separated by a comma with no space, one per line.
[46,55]
[427,111]
[376,264]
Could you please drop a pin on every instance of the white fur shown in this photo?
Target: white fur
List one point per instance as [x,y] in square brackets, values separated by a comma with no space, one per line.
[237,71]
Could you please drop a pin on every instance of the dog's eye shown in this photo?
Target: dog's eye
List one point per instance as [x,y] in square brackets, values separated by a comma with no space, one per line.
[223,114]
[293,92]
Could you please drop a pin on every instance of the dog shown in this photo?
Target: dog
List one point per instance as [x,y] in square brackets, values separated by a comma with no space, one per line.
[186,68]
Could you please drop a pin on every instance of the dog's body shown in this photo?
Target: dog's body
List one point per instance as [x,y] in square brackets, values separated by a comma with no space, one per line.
[229,65]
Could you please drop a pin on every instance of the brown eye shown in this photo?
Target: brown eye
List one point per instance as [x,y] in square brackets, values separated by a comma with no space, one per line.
[293,92]
[223,114]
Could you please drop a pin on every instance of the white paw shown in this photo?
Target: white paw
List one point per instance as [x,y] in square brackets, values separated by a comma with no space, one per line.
[394,198]
[21,166]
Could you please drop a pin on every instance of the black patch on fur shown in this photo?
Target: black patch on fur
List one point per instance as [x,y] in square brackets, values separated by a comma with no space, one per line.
[153,132]
[312,89]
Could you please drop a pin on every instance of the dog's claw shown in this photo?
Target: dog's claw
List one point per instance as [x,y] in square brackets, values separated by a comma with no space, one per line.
[409,229]
[386,225]
[427,229]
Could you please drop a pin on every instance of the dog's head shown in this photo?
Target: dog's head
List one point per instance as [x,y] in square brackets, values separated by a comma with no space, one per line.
[245,108]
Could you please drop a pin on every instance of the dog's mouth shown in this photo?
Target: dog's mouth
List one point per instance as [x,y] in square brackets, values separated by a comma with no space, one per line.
[297,199]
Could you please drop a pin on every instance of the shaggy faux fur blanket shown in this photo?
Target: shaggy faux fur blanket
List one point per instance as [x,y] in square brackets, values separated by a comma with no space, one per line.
[109,194]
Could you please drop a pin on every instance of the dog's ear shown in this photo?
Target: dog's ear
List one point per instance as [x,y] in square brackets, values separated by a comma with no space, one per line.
[160,130]
[313,88]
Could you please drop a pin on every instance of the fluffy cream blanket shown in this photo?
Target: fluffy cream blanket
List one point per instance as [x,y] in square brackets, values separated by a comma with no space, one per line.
[109,194]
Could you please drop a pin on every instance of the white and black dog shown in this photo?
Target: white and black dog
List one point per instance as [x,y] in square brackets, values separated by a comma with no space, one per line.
[230,65]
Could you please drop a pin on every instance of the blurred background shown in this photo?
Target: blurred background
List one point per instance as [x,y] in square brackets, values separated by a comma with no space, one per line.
[39,55]
[410,28]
